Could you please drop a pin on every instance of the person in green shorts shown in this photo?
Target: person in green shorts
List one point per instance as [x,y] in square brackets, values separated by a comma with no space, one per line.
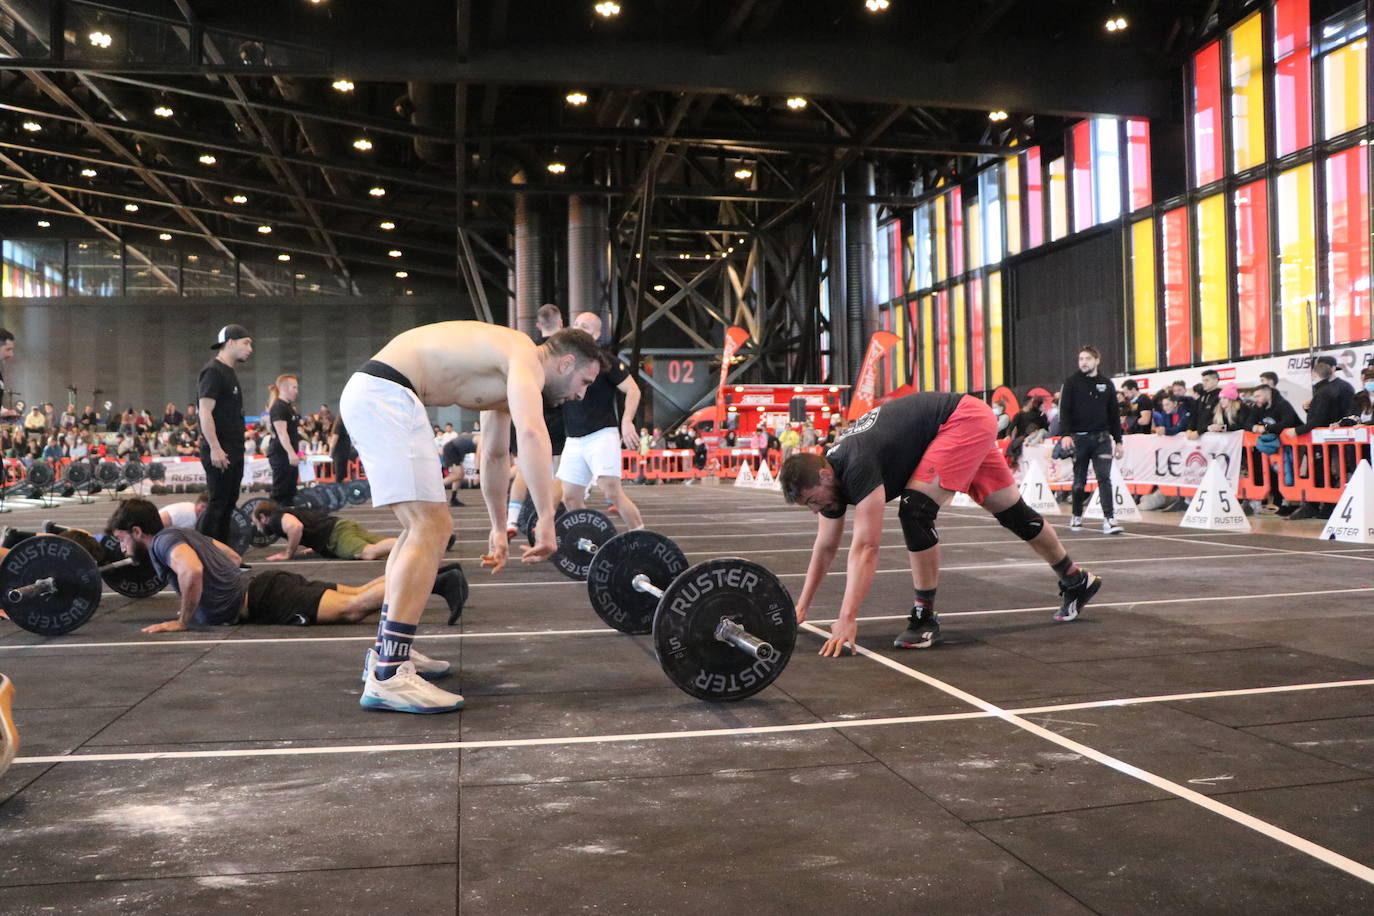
[329,536]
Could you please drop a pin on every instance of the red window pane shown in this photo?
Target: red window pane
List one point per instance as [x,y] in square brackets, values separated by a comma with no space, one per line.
[901,269]
[1252,269]
[1035,199]
[979,381]
[1207,152]
[1292,76]
[942,341]
[1178,305]
[1347,259]
[1138,162]
[1082,176]
[956,231]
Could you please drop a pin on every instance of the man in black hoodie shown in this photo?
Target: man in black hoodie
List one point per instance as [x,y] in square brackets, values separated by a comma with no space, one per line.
[1332,398]
[1206,405]
[1088,410]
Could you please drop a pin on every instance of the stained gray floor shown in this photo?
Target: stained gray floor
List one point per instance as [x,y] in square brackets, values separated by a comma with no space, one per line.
[801,799]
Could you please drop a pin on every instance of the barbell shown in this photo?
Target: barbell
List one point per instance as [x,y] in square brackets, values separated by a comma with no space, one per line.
[50,585]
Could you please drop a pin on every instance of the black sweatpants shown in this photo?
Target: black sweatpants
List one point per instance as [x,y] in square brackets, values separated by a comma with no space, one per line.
[223,484]
[1094,449]
[284,477]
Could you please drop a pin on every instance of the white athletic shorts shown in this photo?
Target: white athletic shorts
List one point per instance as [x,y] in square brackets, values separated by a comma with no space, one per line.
[586,458]
[395,440]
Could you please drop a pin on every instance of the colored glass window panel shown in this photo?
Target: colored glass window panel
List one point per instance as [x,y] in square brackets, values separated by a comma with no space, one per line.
[1297,256]
[1083,210]
[1059,213]
[1178,300]
[975,236]
[923,241]
[1207,151]
[941,240]
[1292,76]
[1107,168]
[942,341]
[1144,308]
[911,264]
[956,231]
[1347,257]
[1212,281]
[930,332]
[1343,89]
[1138,162]
[977,332]
[1252,269]
[995,376]
[1247,93]
[990,203]
[1035,199]
[917,350]
[960,339]
[1013,187]
[31,268]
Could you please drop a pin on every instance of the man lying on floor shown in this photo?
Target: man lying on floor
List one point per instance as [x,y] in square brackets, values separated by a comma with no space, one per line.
[214,590]
[329,536]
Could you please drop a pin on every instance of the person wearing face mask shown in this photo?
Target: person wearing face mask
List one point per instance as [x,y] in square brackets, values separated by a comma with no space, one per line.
[1362,408]
[999,410]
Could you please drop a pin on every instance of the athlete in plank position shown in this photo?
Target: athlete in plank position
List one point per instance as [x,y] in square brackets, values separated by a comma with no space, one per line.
[922,448]
[510,379]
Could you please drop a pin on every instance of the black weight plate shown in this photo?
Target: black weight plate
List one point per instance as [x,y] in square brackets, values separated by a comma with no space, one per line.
[685,628]
[358,492]
[78,473]
[610,580]
[310,498]
[132,471]
[155,470]
[240,531]
[533,518]
[108,473]
[524,522]
[137,581]
[572,527]
[74,572]
[40,474]
[256,538]
[335,495]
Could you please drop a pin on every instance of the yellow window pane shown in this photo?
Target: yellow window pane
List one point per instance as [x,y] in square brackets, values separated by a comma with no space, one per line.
[960,340]
[975,236]
[1247,93]
[928,336]
[1013,167]
[995,329]
[899,370]
[1297,257]
[1343,88]
[1059,203]
[911,260]
[1144,307]
[941,255]
[1211,268]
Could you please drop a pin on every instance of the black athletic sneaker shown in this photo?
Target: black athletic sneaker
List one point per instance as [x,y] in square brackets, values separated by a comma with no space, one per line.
[922,631]
[1076,595]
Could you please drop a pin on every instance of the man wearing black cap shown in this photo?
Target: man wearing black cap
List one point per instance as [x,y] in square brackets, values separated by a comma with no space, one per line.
[221,428]
[1332,398]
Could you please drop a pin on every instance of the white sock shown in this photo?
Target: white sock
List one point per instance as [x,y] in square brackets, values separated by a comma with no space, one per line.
[512,512]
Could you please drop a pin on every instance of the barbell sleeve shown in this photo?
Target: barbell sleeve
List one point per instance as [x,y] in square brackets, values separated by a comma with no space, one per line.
[641,583]
[117,564]
[40,588]
[728,631]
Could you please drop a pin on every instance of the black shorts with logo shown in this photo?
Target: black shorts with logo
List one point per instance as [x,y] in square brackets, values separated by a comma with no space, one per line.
[276,596]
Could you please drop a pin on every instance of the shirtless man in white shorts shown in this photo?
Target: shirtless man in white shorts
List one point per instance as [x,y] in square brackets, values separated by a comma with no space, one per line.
[500,372]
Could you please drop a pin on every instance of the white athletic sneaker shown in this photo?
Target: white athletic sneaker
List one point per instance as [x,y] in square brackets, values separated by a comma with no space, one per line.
[431,669]
[1109,526]
[1076,523]
[406,691]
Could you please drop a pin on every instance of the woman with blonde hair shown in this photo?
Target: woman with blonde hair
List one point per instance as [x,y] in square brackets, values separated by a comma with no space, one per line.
[283,449]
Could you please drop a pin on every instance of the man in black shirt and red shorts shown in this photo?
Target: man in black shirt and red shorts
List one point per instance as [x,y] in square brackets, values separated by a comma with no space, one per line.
[922,448]
[221,428]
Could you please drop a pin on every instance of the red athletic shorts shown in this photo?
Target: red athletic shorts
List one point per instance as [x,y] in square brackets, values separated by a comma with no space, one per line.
[964,454]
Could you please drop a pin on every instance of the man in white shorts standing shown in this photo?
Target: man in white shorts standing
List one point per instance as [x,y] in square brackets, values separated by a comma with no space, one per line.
[592,450]
[498,371]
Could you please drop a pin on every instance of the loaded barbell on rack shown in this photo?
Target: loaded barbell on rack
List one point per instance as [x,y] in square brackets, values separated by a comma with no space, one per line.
[723,630]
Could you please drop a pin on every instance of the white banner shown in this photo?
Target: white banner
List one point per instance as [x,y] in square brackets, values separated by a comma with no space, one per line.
[190,473]
[1170,461]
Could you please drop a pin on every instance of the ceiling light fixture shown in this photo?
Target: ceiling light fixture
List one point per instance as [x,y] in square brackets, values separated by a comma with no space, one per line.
[132,208]
[265,229]
[32,127]
[402,274]
[283,257]
[207,159]
[659,287]
[743,174]
[394,253]
[165,236]
[163,111]
[239,199]
[796,103]
[876,6]
[342,85]
[1116,24]
[88,173]
[386,224]
[44,224]
[607,9]
[377,191]
[363,144]
[101,39]
[576,98]
[998,115]
[557,168]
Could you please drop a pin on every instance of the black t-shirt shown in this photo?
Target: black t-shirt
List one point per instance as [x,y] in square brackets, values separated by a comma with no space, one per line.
[318,527]
[221,587]
[344,443]
[597,409]
[221,383]
[285,411]
[883,447]
[458,448]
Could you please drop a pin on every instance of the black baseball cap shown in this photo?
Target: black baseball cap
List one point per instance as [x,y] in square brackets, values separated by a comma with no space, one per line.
[1329,360]
[229,332]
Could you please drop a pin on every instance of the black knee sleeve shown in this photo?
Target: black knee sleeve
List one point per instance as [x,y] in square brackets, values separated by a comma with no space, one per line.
[1021,520]
[916,511]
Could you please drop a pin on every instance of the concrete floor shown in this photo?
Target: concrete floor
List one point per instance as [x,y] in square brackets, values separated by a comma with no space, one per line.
[1202,740]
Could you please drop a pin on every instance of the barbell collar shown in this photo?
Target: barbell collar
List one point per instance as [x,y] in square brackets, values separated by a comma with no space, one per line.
[641,583]
[728,631]
[37,589]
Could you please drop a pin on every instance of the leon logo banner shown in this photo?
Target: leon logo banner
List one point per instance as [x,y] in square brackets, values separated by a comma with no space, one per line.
[734,339]
[878,346]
